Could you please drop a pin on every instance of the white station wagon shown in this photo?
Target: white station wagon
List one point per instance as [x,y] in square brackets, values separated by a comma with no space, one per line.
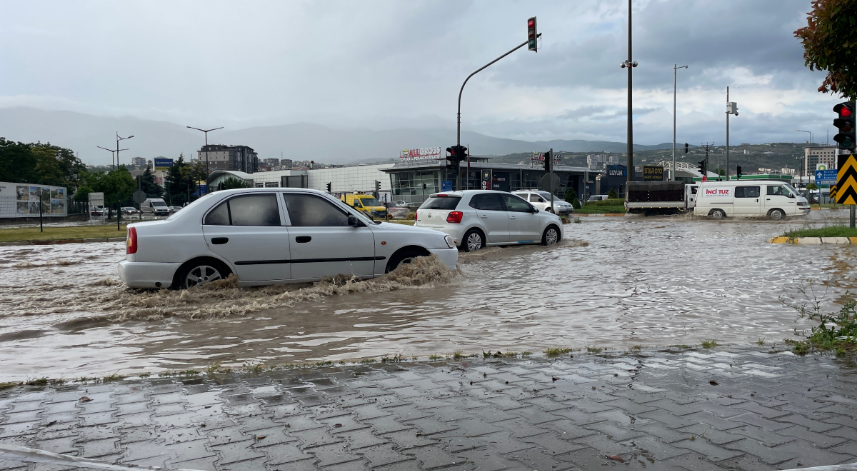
[268,236]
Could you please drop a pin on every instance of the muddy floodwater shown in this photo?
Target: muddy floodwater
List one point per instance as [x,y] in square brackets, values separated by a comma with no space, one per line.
[613,282]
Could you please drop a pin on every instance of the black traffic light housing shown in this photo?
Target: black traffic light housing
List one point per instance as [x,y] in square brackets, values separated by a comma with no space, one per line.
[685,147]
[739,173]
[532,35]
[845,123]
[701,167]
[456,155]
[377,186]
[548,162]
[328,187]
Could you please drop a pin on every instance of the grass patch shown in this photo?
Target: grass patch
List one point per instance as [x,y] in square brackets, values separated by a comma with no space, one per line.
[407,222]
[555,352]
[435,358]
[594,350]
[8,385]
[827,231]
[709,344]
[836,331]
[111,378]
[18,234]
[595,209]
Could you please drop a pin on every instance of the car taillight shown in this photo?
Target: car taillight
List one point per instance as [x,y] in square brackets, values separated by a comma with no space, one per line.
[415,215]
[131,242]
[454,217]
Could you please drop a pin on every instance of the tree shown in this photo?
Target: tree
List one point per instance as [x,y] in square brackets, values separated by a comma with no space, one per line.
[180,184]
[148,185]
[830,43]
[612,194]
[571,198]
[231,183]
[117,185]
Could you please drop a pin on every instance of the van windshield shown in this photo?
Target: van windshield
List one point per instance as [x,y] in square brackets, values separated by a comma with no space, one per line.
[159,203]
[369,201]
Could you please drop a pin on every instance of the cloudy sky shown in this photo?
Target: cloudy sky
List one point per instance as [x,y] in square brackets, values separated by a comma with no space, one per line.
[393,64]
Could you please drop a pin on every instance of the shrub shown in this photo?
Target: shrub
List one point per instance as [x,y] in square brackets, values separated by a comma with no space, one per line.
[612,194]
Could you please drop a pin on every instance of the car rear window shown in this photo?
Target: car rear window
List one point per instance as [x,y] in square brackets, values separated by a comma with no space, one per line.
[443,202]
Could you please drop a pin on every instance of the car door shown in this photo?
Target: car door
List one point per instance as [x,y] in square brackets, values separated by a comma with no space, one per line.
[524,225]
[777,196]
[322,243]
[247,231]
[747,201]
[492,217]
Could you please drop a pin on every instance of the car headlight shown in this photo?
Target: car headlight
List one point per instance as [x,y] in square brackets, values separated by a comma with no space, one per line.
[449,241]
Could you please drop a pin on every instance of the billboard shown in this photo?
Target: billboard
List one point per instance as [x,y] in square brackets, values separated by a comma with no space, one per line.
[23,200]
[163,164]
[653,173]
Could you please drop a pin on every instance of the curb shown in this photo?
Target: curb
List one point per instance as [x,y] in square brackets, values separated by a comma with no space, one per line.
[61,241]
[812,240]
[601,215]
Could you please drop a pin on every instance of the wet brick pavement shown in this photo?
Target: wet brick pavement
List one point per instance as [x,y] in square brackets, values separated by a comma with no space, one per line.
[725,408]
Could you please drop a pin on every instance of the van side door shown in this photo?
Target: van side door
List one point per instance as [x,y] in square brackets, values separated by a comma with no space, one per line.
[777,197]
[748,201]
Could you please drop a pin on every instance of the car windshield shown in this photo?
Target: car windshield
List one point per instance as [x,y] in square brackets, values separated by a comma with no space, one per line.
[546,195]
[159,203]
[791,188]
[369,202]
[442,202]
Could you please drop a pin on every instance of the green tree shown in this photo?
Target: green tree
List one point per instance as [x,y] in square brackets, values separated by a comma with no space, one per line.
[148,185]
[612,194]
[180,182]
[117,185]
[231,183]
[571,198]
[40,163]
[830,43]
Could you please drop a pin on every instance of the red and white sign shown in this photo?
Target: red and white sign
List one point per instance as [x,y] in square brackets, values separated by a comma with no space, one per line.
[427,153]
[722,192]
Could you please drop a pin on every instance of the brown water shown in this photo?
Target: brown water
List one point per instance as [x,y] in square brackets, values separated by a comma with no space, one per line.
[611,283]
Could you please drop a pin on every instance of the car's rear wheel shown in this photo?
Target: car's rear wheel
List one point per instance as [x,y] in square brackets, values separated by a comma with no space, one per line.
[201,272]
[550,236]
[402,258]
[717,214]
[473,240]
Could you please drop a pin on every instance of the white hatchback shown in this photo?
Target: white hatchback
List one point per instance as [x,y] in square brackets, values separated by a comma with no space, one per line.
[479,218]
[542,200]
[268,236]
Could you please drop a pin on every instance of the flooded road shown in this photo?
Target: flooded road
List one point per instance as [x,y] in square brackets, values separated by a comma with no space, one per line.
[612,283]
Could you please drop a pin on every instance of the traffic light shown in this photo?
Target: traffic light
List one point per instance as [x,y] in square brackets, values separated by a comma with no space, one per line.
[532,36]
[739,172]
[845,124]
[328,187]
[701,167]
[451,159]
[548,162]
[377,186]
[685,147]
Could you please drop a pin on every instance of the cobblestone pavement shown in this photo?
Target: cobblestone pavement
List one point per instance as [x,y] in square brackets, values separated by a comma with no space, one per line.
[723,408]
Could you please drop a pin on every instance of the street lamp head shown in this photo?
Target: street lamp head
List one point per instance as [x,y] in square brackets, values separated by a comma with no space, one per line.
[622,65]
[634,63]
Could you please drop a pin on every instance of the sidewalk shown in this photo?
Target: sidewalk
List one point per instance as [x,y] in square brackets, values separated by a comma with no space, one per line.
[724,408]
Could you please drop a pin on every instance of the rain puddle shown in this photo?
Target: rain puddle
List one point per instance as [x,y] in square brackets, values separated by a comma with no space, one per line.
[611,283]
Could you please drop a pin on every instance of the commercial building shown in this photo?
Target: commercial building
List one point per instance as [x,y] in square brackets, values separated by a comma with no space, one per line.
[359,179]
[813,156]
[138,161]
[222,157]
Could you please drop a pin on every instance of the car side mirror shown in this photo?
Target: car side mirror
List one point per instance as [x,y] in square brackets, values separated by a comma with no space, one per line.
[791,195]
[534,209]
[353,221]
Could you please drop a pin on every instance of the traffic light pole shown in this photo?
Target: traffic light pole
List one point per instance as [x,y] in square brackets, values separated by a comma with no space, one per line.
[727,136]
[458,131]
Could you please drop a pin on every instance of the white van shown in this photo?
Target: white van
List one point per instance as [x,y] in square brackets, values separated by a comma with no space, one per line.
[757,198]
[156,206]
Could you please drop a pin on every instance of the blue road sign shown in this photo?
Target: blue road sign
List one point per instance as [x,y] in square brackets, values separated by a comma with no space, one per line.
[825,177]
[446,185]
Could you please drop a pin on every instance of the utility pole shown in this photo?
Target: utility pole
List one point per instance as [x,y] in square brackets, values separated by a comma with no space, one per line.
[117,146]
[206,131]
[630,64]
[112,155]
[731,108]
[675,73]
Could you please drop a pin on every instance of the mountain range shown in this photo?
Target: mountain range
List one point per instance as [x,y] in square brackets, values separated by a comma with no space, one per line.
[298,141]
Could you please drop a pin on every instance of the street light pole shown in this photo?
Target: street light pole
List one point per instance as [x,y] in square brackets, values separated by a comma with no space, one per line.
[629,64]
[675,73]
[810,144]
[117,146]
[458,129]
[206,131]
[112,154]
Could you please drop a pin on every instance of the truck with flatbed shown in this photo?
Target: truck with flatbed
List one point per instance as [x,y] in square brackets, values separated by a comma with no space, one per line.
[659,197]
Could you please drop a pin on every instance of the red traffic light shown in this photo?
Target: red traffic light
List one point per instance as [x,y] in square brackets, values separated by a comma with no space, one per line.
[844,110]
[531,23]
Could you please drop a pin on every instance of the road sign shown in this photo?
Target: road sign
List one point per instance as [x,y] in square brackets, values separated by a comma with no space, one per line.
[653,173]
[846,180]
[833,191]
[825,177]
[446,185]
[549,182]
[139,196]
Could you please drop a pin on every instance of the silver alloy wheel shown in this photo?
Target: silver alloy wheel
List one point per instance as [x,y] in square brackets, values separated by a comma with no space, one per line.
[200,275]
[474,241]
[551,236]
[717,214]
[777,214]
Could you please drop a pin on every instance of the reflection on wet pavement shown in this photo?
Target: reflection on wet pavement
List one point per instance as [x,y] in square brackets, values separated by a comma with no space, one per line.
[612,283]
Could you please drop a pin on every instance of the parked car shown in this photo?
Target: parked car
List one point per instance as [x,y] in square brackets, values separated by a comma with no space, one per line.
[156,206]
[479,218]
[757,198]
[129,210]
[542,200]
[97,211]
[268,236]
[597,198]
[405,204]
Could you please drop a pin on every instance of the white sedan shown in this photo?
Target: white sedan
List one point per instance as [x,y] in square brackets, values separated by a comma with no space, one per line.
[478,218]
[268,236]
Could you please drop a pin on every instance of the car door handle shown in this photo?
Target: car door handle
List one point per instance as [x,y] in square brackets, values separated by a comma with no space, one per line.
[767,199]
[483,215]
[303,239]
[511,217]
[219,240]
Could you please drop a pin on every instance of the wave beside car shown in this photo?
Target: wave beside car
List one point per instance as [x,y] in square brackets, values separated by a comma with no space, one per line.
[268,236]
[479,218]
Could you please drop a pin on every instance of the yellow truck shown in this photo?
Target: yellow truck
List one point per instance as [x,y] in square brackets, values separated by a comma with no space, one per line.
[366,204]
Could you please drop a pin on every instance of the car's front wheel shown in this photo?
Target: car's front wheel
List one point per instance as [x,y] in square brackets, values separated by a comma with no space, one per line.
[201,272]
[551,236]
[473,240]
[402,258]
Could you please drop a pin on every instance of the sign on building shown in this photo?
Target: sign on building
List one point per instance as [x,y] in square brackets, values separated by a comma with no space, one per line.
[24,199]
[163,164]
[653,173]
[427,153]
